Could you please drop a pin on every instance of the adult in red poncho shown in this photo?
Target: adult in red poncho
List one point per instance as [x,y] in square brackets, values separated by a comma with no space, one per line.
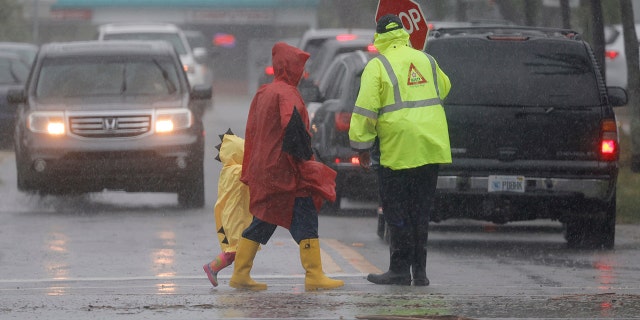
[286,185]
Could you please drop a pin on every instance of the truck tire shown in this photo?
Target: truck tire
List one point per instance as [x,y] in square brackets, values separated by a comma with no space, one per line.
[191,190]
[593,232]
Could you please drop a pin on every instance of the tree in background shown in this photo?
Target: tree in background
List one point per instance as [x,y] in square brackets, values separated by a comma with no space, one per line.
[13,27]
[633,78]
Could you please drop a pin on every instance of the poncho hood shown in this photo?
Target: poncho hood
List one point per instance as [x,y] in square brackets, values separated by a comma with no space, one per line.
[288,63]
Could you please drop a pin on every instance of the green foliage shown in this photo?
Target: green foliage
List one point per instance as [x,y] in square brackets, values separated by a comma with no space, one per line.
[628,187]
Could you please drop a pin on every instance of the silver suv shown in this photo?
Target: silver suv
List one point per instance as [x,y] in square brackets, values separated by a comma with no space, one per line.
[114,115]
[193,59]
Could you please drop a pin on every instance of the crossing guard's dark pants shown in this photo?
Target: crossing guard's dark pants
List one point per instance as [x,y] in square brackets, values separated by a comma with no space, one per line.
[407,197]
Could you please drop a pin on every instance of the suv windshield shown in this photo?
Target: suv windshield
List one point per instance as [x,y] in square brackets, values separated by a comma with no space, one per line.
[516,72]
[79,77]
[172,38]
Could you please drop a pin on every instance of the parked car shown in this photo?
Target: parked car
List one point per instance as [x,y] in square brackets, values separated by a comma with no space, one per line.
[532,130]
[192,58]
[114,115]
[13,74]
[317,65]
[615,57]
[330,127]
[202,52]
[313,39]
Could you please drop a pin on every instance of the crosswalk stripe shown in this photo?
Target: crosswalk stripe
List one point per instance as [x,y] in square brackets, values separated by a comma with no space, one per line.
[352,256]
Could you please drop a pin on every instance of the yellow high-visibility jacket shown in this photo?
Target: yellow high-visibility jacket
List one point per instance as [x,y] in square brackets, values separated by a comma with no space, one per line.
[400,103]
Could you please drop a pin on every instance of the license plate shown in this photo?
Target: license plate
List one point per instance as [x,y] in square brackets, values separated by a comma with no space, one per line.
[506,183]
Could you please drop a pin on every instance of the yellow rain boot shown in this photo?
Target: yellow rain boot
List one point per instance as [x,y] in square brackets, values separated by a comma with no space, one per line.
[241,278]
[315,278]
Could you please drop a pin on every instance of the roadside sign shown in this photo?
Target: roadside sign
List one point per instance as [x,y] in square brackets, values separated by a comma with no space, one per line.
[411,16]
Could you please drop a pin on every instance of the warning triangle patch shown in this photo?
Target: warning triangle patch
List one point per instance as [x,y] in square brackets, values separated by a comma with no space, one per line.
[415,77]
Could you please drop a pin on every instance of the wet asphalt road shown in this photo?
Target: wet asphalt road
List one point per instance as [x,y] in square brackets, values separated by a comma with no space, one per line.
[139,256]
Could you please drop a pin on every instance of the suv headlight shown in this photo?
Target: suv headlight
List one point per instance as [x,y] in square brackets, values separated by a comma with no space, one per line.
[50,122]
[168,120]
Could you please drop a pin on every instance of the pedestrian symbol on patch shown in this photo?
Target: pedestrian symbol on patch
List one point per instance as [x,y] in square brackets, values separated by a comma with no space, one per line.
[415,77]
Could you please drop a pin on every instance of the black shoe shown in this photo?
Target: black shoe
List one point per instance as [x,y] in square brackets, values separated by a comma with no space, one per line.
[421,282]
[390,277]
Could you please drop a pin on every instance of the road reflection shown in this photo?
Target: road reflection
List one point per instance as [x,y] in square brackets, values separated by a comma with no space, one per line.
[56,260]
[163,261]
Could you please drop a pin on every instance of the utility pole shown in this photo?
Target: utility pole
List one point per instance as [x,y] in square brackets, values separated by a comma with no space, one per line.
[36,21]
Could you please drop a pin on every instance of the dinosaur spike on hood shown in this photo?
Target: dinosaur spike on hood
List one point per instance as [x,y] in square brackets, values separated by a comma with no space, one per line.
[218,146]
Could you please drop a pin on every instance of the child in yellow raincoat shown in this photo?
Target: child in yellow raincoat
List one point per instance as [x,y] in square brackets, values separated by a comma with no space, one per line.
[232,207]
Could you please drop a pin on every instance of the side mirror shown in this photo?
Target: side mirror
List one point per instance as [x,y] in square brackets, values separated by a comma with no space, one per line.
[309,91]
[617,96]
[201,92]
[16,96]
[200,55]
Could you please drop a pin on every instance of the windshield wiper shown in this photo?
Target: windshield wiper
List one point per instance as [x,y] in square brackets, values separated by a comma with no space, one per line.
[170,85]
[123,87]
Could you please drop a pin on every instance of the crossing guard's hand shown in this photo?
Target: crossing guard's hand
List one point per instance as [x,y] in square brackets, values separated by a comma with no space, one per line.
[365,159]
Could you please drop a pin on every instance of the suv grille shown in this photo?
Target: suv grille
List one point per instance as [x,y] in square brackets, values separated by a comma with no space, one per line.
[118,126]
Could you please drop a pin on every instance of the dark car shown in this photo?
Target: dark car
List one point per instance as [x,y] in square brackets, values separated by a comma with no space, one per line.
[110,115]
[312,41]
[324,56]
[532,130]
[330,127]
[13,74]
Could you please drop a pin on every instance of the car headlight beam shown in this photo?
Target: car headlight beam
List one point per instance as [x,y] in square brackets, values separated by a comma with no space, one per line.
[49,122]
[169,120]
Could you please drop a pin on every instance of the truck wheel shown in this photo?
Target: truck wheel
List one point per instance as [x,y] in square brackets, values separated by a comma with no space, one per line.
[331,208]
[191,190]
[598,232]
[24,178]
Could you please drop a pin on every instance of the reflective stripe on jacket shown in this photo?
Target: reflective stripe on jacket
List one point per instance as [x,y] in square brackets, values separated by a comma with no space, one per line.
[400,102]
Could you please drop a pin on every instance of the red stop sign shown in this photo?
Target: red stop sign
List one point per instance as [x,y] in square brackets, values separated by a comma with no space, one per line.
[412,18]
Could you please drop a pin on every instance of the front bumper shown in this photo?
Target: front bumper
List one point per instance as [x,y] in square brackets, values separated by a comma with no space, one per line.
[154,163]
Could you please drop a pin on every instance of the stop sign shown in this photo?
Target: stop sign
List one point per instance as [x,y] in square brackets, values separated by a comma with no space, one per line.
[412,18]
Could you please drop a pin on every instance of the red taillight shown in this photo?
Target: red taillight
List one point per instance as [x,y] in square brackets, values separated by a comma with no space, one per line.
[611,54]
[609,148]
[346,37]
[343,121]
[268,70]
[372,48]
[224,40]
[354,160]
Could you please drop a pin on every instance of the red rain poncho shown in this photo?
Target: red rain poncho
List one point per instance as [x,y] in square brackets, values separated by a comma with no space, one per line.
[276,178]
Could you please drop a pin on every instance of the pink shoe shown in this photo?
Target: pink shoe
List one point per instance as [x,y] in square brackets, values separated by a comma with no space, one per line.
[213,276]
